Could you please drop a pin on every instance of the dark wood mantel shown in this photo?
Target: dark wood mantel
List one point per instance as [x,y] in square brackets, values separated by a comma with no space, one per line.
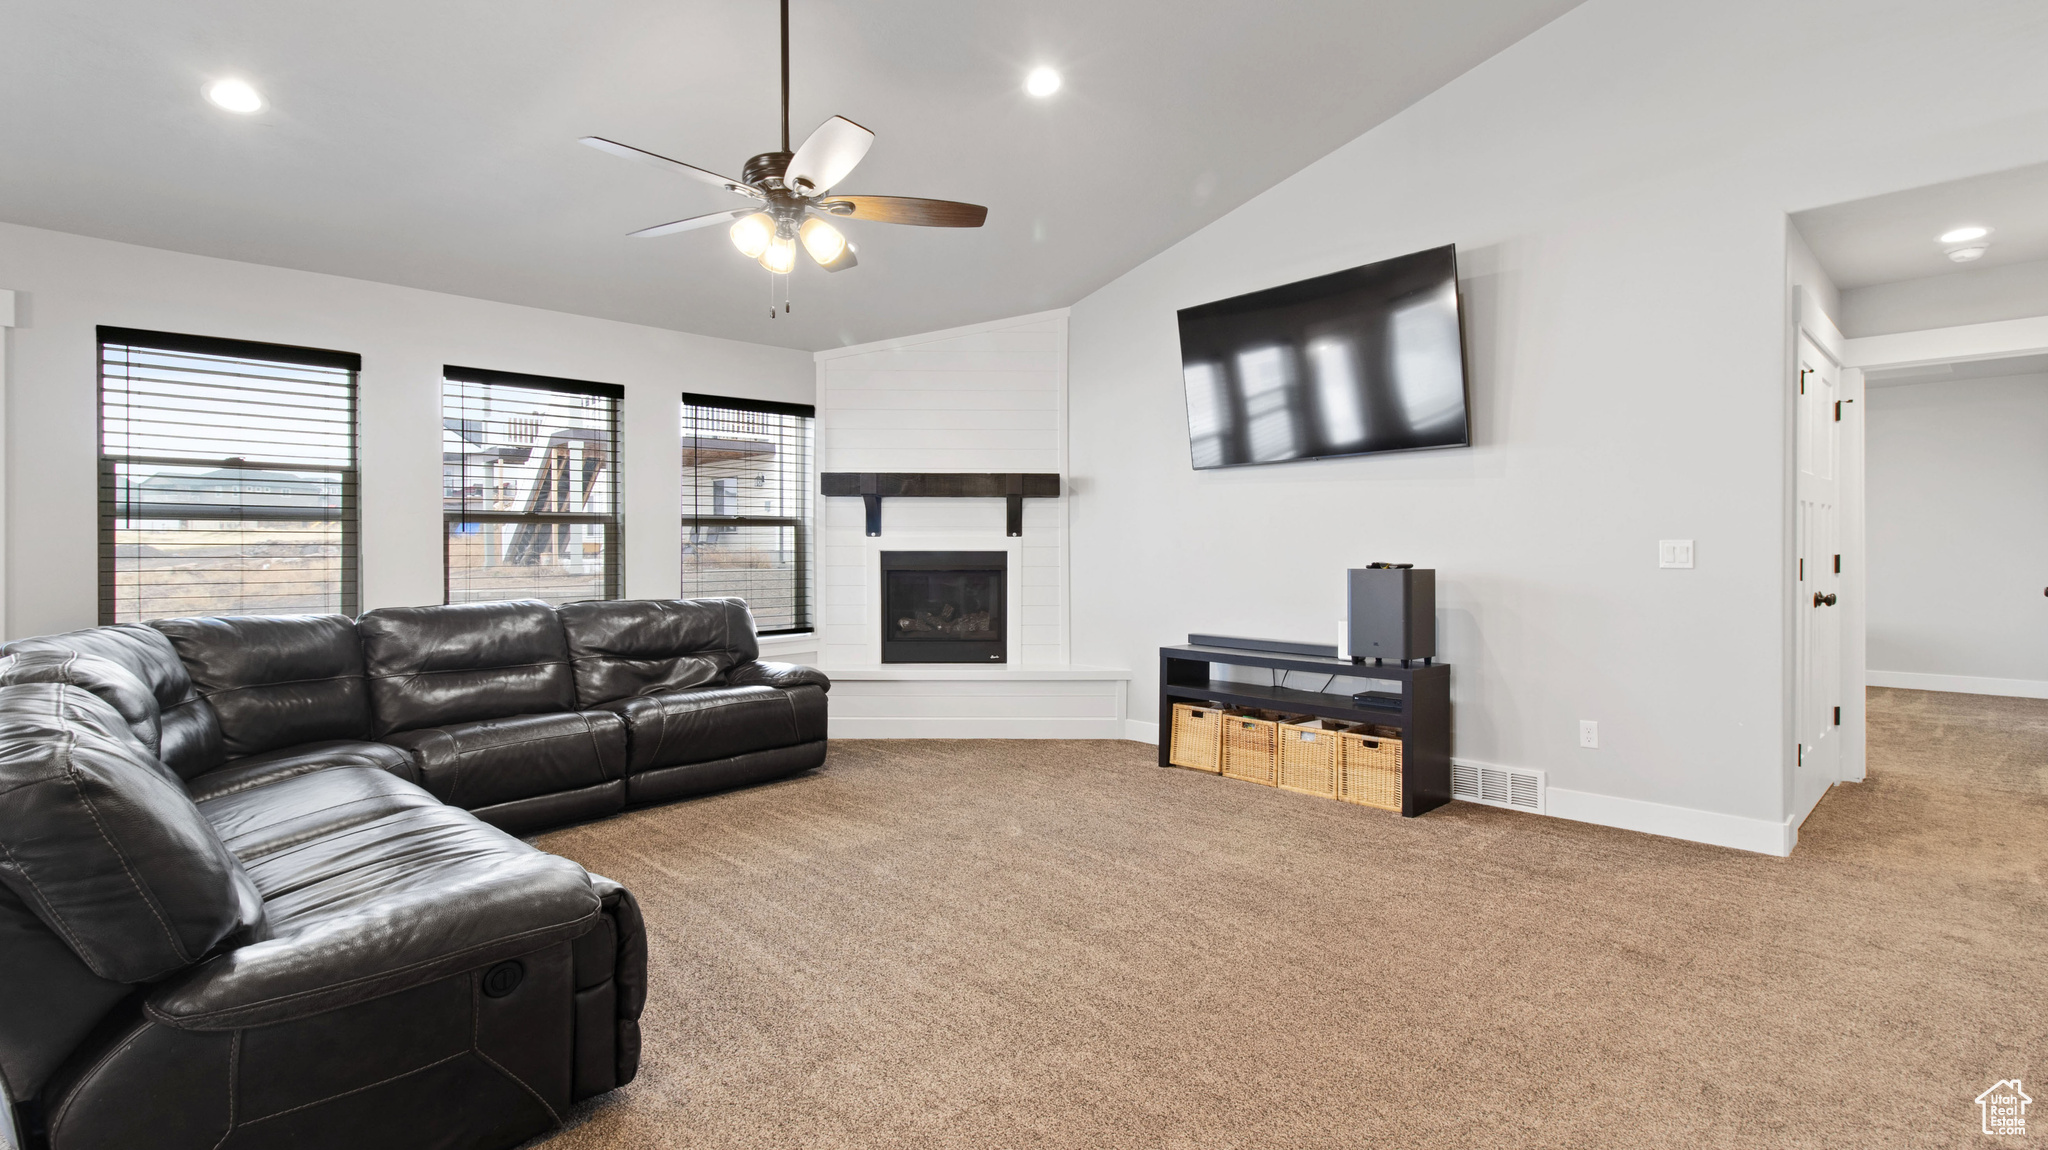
[874,486]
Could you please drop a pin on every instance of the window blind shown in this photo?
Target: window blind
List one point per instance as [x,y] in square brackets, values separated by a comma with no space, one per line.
[530,487]
[747,506]
[227,477]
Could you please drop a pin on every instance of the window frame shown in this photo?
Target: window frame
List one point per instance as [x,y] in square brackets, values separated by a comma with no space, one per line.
[615,522]
[108,503]
[803,525]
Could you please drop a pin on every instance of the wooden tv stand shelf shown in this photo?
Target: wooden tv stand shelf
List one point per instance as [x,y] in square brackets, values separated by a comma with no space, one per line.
[1424,717]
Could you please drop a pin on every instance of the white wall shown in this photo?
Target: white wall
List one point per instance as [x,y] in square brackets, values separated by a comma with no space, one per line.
[991,397]
[1958,481]
[68,284]
[1617,185]
[1974,295]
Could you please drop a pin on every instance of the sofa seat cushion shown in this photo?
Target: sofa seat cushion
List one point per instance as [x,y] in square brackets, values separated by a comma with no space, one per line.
[271,766]
[708,723]
[286,810]
[370,909]
[495,761]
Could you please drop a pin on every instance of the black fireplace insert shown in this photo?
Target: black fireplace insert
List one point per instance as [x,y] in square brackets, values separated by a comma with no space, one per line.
[944,607]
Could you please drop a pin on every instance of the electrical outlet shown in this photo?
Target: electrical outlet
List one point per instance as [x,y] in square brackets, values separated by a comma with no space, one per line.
[1674,553]
[1589,733]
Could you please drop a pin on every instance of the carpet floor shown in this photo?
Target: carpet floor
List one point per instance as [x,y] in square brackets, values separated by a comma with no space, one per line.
[1057,944]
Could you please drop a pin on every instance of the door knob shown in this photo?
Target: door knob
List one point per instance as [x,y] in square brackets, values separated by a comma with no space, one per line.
[1820,600]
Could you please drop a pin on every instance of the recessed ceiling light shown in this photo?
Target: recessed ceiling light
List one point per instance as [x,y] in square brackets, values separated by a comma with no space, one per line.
[1965,255]
[1963,235]
[1042,82]
[234,96]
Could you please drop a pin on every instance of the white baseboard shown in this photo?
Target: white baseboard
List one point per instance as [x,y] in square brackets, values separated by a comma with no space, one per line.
[1139,731]
[1764,836]
[861,727]
[1959,684]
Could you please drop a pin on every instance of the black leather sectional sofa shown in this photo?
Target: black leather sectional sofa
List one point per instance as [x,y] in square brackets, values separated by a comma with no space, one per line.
[255,883]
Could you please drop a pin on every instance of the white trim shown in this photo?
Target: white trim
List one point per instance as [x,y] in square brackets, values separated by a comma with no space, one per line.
[1949,344]
[1140,731]
[933,336]
[974,672]
[1960,684]
[861,727]
[794,641]
[1763,836]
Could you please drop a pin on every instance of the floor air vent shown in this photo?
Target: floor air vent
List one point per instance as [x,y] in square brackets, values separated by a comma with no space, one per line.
[1510,787]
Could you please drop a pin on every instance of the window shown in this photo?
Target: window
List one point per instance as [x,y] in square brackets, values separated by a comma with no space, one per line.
[530,491]
[227,477]
[747,507]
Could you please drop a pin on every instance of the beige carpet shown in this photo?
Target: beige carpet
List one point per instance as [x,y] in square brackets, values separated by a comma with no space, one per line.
[1031,944]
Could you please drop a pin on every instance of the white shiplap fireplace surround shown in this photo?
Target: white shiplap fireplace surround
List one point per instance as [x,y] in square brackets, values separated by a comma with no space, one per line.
[986,398]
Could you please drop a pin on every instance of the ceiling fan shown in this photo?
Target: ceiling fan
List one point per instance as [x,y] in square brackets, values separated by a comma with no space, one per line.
[791,194]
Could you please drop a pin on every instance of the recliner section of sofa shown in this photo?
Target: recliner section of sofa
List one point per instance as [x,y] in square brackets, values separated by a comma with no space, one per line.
[393,970]
[701,712]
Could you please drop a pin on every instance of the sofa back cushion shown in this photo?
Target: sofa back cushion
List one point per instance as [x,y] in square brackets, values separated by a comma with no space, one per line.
[105,679]
[627,647]
[103,844]
[431,666]
[190,733]
[276,681]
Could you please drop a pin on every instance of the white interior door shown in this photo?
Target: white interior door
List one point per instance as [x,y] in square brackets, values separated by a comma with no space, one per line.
[1818,533]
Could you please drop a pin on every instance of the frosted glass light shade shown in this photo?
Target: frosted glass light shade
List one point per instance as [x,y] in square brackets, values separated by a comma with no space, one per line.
[752,234]
[780,255]
[822,240]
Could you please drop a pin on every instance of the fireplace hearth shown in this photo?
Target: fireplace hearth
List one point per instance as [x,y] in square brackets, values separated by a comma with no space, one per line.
[944,607]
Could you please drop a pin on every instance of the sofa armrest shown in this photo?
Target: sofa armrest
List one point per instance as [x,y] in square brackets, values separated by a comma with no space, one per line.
[384,943]
[783,675]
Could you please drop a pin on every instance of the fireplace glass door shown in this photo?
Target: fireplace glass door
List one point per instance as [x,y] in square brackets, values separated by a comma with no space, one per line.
[944,607]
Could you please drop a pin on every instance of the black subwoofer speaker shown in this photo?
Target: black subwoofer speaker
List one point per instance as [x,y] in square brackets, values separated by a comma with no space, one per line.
[1391,613]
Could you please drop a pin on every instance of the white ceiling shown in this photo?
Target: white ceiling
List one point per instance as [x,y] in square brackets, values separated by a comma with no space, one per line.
[1967,369]
[433,144]
[1891,237]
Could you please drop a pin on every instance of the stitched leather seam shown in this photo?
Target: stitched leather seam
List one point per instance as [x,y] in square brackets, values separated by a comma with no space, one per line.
[596,752]
[266,780]
[334,987]
[321,831]
[234,1072]
[63,927]
[467,670]
[476,1045]
[208,695]
[148,900]
[357,1090]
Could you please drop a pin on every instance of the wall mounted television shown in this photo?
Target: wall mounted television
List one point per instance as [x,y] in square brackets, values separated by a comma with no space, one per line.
[1356,362]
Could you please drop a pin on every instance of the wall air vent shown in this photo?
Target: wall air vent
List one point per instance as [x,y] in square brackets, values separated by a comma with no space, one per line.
[1511,787]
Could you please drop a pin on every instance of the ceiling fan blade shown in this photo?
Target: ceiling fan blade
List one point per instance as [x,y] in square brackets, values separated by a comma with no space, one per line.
[826,158]
[629,152]
[907,210]
[691,224]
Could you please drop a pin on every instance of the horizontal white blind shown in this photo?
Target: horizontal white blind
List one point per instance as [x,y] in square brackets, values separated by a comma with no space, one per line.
[530,487]
[747,506]
[227,478]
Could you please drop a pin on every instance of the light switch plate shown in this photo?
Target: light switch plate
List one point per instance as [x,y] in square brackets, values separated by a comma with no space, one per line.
[1674,553]
[1589,733]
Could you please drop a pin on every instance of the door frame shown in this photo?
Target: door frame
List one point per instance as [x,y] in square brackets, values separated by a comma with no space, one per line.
[1811,321]
[2000,340]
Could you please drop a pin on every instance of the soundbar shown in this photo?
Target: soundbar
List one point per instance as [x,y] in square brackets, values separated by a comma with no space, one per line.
[1270,646]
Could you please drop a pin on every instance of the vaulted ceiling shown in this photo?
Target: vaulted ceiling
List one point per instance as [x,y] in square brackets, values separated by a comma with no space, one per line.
[434,144]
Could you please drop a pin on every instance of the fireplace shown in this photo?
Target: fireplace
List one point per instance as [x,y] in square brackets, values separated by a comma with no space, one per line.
[944,607]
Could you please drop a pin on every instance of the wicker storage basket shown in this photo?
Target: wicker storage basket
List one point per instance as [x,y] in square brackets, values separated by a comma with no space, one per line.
[1309,757]
[1369,769]
[1197,738]
[1251,746]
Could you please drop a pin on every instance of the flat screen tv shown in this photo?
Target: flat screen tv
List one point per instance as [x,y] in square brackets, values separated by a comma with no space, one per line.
[1356,362]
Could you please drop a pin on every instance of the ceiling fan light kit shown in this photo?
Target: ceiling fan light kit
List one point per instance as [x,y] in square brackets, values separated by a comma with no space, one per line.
[791,194]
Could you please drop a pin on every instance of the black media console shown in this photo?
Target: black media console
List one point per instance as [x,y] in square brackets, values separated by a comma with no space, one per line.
[1424,716]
